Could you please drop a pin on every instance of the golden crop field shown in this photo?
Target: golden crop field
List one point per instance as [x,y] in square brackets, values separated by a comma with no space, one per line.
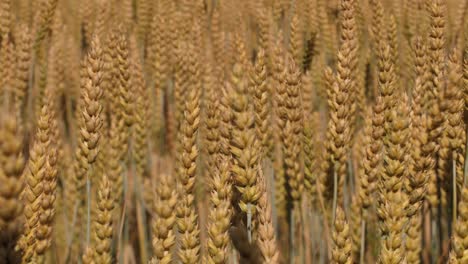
[233,131]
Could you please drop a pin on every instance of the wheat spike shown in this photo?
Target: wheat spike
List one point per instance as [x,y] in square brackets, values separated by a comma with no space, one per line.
[293,131]
[186,214]
[23,64]
[341,238]
[142,104]
[43,232]
[163,233]
[102,225]
[220,214]
[11,174]
[266,233]
[126,97]
[460,231]
[373,157]
[338,131]
[311,160]
[258,82]
[244,145]
[34,190]
[392,199]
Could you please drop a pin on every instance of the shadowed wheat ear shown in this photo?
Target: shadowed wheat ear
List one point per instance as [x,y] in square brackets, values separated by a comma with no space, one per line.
[293,130]
[12,163]
[45,18]
[23,54]
[141,111]
[212,122]
[311,159]
[7,57]
[279,98]
[454,127]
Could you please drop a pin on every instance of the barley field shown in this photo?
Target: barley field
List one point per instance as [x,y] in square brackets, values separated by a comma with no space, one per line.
[233,131]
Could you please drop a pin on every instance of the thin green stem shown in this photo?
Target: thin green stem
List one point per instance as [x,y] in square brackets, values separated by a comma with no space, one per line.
[335,195]
[88,210]
[454,190]
[363,241]
[292,231]
[249,222]
[465,171]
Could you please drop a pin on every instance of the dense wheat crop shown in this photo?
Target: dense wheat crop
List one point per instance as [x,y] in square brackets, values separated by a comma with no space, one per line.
[233,131]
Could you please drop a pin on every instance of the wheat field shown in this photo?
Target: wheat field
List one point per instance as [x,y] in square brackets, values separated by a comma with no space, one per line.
[233,131]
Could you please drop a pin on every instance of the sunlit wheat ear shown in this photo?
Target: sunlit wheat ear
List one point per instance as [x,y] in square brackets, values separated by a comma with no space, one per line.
[393,201]
[126,97]
[220,214]
[341,237]
[34,189]
[164,208]
[374,153]
[266,233]
[338,134]
[347,59]
[244,146]
[422,163]
[102,224]
[47,200]
[261,91]
[377,22]
[460,231]
[187,216]
[44,21]
[296,39]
